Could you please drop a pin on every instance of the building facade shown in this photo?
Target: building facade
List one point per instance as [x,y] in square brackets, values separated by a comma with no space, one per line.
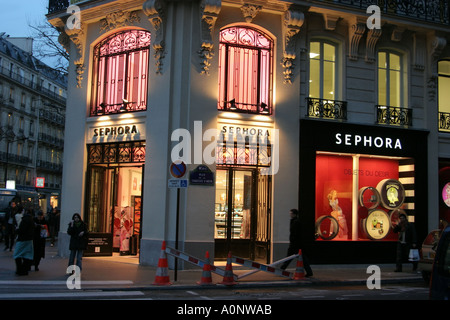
[32,117]
[202,123]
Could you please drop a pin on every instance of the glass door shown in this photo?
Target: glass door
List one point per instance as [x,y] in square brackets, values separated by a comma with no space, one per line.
[241,220]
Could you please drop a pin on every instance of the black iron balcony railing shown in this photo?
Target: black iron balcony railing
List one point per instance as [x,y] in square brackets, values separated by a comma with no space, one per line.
[326,109]
[444,121]
[57,5]
[30,84]
[435,11]
[394,116]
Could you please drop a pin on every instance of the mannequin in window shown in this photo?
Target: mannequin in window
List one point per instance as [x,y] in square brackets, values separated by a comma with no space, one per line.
[338,215]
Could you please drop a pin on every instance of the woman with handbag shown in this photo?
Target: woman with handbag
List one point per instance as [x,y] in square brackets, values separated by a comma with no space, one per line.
[407,241]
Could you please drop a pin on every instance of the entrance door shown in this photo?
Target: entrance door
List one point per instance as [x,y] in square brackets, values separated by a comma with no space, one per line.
[114,210]
[241,214]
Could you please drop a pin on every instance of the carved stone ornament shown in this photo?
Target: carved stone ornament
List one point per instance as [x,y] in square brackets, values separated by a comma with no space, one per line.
[78,37]
[155,11]
[249,11]
[293,20]
[118,19]
[373,35]
[437,45]
[209,11]
[357,28]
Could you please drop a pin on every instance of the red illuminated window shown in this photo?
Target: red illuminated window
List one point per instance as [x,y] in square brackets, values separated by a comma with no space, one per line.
[121,73]
[245,71]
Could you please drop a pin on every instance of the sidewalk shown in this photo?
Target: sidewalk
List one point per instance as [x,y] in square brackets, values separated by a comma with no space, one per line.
[125,273]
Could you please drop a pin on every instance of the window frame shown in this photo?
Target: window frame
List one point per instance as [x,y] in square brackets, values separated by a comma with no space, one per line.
[336,89]
[227,100]
[100,73]
[441,75]
[402,72]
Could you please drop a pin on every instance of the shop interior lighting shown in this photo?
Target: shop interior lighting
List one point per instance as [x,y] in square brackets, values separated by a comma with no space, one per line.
[232,104]
[264,108]
[101,108]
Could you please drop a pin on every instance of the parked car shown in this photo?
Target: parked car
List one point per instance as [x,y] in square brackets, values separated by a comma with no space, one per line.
[427,254]
[440,274]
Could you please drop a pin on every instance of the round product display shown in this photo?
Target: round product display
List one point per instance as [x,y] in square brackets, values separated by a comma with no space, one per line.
[369,197]
[392,193]
[377,225]
[394,216]
[446,194]
[327,227]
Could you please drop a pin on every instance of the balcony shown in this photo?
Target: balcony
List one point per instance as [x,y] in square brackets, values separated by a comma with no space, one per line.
[444,122]
[394,116]
[434,11]
[21,80]
[326,109]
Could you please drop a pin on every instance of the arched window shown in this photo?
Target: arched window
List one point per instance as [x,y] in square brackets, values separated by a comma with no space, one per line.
[121,73]
[322,70]
[245,71]
[390,79]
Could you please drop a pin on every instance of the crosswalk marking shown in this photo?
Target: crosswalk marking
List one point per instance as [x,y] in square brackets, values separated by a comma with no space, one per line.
[70,294]
[63,282]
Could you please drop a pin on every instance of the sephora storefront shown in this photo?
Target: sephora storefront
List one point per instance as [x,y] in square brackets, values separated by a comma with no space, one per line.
[355,180]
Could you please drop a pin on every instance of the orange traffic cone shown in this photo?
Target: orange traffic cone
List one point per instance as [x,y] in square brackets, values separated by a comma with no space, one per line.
[206,273]
[228,278]
[162,272]
[300,270]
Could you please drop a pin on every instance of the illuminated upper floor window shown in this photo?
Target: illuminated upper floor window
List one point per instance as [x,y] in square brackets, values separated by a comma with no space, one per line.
[121,73]
[245,71]
[444,85]
[390,79]
[322,70]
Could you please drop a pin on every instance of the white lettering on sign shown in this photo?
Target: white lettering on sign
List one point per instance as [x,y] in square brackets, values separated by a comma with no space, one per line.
[367,141]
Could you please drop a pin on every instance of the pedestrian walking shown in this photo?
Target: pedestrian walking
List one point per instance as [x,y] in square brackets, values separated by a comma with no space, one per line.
[23,251]
[296,242]
[78,239]
[40,237]
[407,240]
[53,224]
[10,225]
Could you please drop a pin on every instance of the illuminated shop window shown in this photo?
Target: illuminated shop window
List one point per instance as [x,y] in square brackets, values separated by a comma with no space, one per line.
[359,197]
[245,71]
[390,79]
[322,70]
[121,73]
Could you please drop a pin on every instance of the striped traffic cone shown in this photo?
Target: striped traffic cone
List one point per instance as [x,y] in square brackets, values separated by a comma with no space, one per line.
[162,272]
[206,273]
[299,270]
[228,278]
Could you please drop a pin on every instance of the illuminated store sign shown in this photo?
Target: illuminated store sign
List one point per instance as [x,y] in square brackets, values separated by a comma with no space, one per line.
[367,141]
[115,130]
[245,131]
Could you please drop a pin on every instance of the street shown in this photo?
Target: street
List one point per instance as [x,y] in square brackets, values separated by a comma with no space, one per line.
[48,290]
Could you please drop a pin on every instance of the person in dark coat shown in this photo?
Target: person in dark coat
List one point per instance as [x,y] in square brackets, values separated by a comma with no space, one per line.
[10,225]
[23,252]
[407,240]
[40,237]
[296,243]
[78,239]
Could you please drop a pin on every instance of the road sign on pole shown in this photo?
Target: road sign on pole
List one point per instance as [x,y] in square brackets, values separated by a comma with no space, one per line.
[178,169]
[177,183]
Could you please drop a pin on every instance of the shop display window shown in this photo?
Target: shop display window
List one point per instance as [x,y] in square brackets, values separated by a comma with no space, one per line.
[359,197]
